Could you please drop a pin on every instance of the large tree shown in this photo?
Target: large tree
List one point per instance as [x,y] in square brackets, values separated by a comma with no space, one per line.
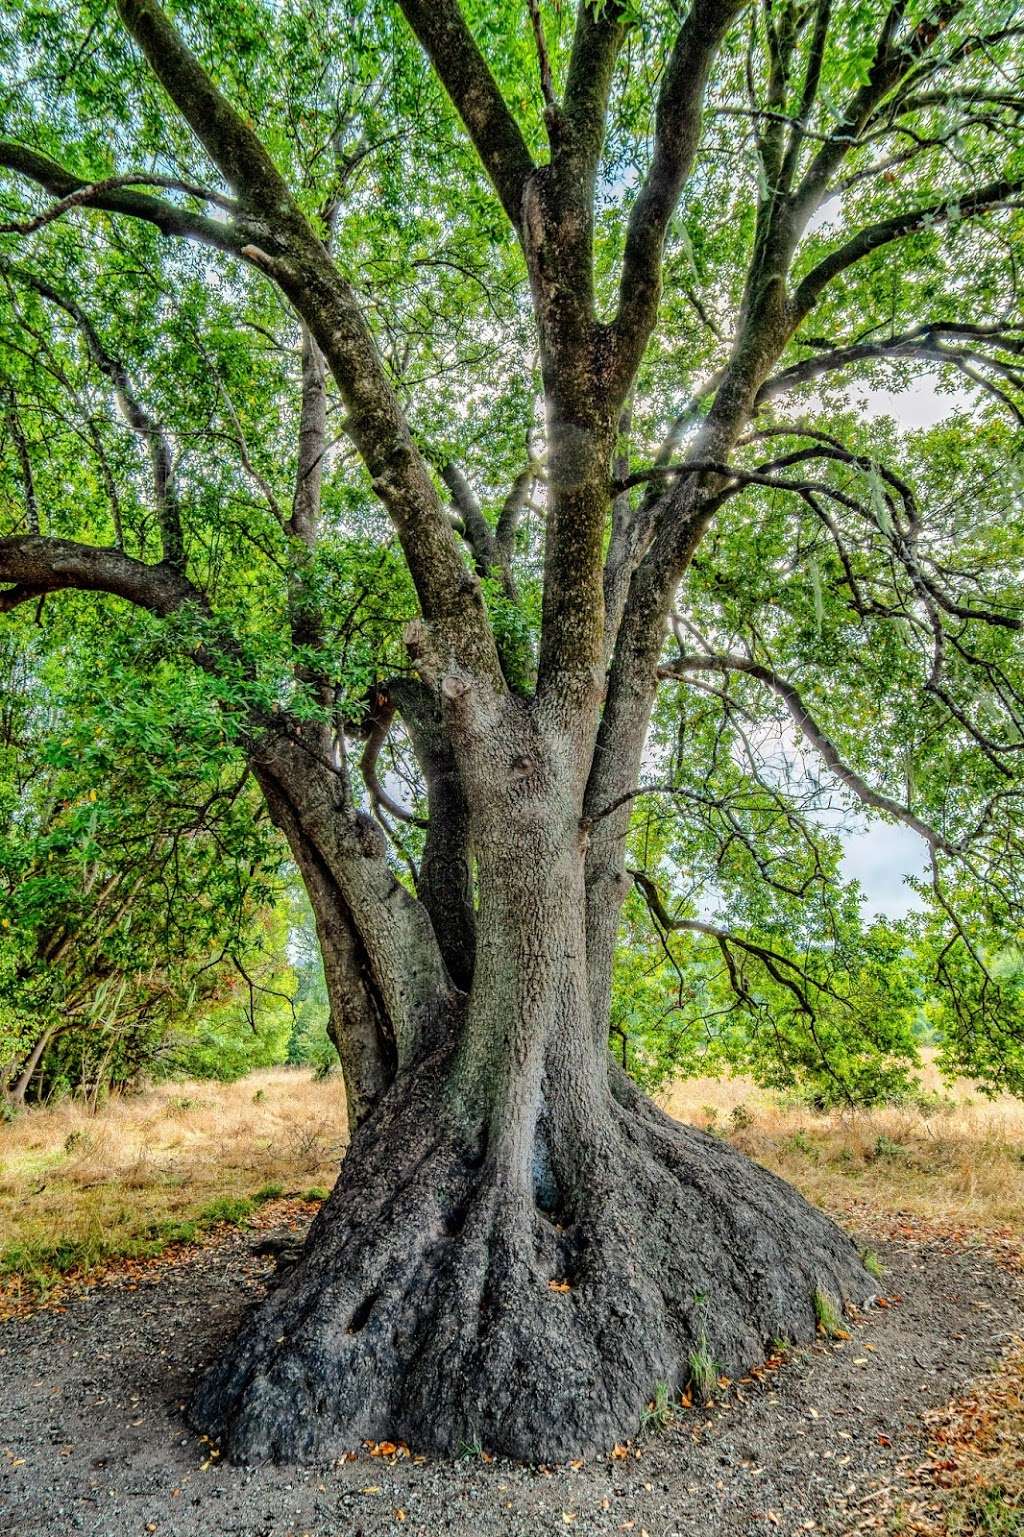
[639,247]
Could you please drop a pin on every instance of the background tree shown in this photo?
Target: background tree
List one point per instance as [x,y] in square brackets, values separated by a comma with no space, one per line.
[563,309]
[140,878]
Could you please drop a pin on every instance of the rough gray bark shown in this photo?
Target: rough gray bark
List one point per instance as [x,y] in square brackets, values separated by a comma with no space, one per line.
[448,1299]
[423,1307]
[519,1251]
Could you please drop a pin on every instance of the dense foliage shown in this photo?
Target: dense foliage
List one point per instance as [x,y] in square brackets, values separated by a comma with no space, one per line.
[142,885]
[847,635]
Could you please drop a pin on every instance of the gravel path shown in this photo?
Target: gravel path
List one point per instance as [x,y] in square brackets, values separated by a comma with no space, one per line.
[92,1438]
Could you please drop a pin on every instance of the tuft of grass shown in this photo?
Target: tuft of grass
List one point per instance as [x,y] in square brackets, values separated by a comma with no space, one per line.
[660,1412]
[703,1369]
[272,1192]
[830,1319]
[229,1208]
[872,1264]
[316,1193]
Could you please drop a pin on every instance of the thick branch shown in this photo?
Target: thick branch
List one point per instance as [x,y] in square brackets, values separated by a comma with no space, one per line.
[822,744]
[920,341]
[88,194]
[891,61]
[229,141]
[36,566]
[873,236]
[479,535]
[325,300]
[465,75]
[677,133]
[168,219]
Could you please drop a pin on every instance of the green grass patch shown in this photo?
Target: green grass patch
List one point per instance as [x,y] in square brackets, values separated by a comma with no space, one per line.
[830,1319]
[872,1264]
[703,1369]
[229,1208]
[40,1264]
[660,1412]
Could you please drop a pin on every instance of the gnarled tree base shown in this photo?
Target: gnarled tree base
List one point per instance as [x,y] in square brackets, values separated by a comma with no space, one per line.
[430,1303]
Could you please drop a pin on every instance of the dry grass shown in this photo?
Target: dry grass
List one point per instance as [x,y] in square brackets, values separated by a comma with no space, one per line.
[77,1188]
[973,1482]
[958,1161]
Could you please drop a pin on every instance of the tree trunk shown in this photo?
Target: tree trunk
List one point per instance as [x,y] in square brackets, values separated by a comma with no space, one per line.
[19,1089]
[519,1250]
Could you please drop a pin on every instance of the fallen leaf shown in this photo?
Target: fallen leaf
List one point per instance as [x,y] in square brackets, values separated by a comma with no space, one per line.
[559,1286]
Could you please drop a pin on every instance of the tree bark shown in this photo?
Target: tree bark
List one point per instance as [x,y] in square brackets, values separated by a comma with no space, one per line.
[19,1088]
[519,1250]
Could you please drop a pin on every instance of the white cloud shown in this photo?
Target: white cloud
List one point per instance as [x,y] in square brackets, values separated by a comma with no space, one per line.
[880,857]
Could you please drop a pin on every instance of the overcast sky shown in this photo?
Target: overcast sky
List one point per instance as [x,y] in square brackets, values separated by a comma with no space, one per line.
[881,857]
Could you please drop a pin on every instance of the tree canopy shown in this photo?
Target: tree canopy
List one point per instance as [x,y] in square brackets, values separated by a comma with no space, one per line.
[460,403]
[856,604]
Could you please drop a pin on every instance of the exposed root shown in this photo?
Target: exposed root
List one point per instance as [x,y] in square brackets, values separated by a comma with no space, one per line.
[436,1306]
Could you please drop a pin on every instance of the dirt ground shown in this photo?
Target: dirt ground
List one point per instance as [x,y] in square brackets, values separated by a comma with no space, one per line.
[93,1441]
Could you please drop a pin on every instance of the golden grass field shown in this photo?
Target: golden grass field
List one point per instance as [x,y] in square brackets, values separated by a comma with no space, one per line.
[959,1162]
[78,1188]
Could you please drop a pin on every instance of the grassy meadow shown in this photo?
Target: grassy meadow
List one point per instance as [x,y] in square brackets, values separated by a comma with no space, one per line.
[954,1159]
[77,1189]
